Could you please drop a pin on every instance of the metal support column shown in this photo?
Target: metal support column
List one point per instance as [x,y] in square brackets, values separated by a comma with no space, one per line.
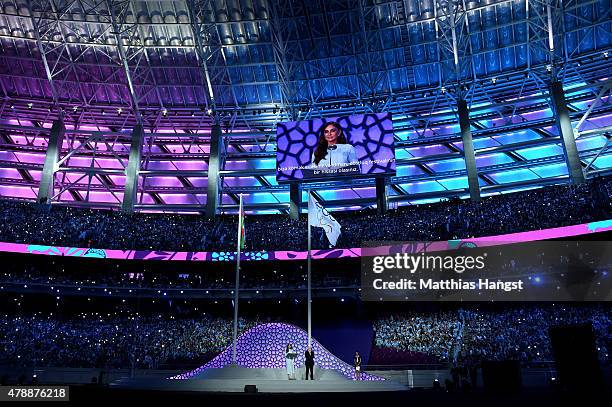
[381,195]
[295,199]
[214,162]
[54,146]
[132,170]
[468,149]
[564,126]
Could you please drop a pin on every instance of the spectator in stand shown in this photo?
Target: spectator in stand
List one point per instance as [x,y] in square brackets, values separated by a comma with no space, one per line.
[461,337]
[553,206]
[111,341]
[471,335]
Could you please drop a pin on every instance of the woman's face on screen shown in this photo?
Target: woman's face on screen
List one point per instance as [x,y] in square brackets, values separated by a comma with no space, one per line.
[331,133]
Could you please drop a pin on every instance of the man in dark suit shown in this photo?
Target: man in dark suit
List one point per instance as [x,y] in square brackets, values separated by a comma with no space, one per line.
[309,362]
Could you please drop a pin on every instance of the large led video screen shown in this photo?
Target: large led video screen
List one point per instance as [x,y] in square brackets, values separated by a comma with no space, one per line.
[322,149]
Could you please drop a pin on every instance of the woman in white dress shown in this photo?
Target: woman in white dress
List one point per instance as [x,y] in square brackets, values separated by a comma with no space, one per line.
[289,359]
[332,148]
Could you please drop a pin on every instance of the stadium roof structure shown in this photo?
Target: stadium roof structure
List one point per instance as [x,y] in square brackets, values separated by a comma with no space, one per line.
[177,68]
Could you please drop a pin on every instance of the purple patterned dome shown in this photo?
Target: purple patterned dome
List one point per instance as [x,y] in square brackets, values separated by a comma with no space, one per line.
[264,347]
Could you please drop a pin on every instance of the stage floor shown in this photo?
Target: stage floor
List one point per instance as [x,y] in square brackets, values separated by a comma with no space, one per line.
[233,379]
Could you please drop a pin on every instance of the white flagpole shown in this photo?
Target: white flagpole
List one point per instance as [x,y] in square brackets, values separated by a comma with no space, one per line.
[235,333]
[309,286]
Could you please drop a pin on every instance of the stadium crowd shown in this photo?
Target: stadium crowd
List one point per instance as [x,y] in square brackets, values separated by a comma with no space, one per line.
[112,341]
[521,333]
[435,334]
[547,207]
[213,278]
[118,340]
[515,332]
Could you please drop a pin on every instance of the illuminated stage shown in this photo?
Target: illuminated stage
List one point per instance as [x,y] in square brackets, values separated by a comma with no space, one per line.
[260,357]
[263,347]
[232,379]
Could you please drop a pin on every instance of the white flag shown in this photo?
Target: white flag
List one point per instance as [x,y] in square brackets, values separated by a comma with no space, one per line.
[320,218]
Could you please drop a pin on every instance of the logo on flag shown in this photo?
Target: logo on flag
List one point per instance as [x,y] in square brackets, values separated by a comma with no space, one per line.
[320,218]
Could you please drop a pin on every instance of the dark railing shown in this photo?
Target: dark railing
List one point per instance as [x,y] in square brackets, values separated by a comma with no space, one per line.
[410,366]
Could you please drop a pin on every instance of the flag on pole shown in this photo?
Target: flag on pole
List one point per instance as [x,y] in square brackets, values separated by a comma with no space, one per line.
[242,236]
[320,218]
[240,246]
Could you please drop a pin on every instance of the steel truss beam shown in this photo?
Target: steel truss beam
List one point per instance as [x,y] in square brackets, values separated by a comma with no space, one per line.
[210,52]
[133,57]
[216,75]
[63,60]
[285,23]
[453,40]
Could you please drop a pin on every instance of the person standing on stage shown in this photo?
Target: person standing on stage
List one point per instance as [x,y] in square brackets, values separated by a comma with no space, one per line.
[357,363]
[309,362]
[289,359]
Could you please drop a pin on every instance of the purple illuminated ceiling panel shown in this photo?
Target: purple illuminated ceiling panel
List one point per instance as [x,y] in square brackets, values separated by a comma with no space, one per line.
[85,127]
[265,197]
[249,164]
[37,142]
[66,197]
[74,177]
[516,137]
[486,160]
[118,180]
[552,170]
[17,192]
[9,173]
[146,200]
[536,115]
[424,151]
[104,196]
[35,174]
[448,129]
[590,142]
[604,161]
[198,182]
[422,187]
[539,152]
[228,200]
[163,182]
[186,148]
[110,163]
[596,122]
[241,181]
[479,142]
[513,176]
[455,183]
[164,165]
[174,199]
[152,149]
[413,135]
[33,158]
[407,170]
[7,156]
[447,165]
[354,193]
[187,165]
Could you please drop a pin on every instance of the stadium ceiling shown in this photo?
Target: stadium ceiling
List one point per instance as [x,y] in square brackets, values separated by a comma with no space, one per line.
[176,67]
